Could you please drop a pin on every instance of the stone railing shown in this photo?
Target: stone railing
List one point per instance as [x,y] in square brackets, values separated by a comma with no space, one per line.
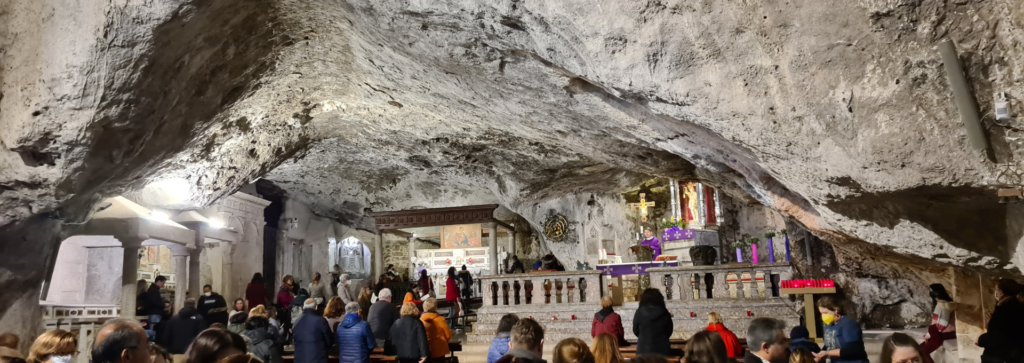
[542,288]
[720,282]
[80,319]
[70,312]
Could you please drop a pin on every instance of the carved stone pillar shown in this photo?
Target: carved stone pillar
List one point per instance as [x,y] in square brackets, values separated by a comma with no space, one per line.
[378,255]
[412,255]
[179,255]
[226,279]
[194,287]
[492,250]
[130,273]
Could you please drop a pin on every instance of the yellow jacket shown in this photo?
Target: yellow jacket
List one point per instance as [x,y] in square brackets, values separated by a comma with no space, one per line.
[438,334]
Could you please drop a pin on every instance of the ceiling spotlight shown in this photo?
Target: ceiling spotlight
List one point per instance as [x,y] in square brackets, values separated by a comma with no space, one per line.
[215,224]
[160,215]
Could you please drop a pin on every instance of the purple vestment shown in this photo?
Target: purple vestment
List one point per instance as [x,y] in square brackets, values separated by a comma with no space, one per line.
[654,244]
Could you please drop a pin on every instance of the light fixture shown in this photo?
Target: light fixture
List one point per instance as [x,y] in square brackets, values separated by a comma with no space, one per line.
[160,215]
[215,224]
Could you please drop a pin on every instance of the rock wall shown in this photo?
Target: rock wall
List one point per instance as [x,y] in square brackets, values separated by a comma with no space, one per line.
[845,125]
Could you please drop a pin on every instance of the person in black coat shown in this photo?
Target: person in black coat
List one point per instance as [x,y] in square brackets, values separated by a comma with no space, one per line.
[515,266]
[212,307]
[408,340]
[1001,340]
[467,282]
[153,307]
[313,336]
[382,315]
[652,325]
[183,328]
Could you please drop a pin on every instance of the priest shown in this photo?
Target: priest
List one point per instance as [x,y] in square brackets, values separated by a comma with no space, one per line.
[651,241]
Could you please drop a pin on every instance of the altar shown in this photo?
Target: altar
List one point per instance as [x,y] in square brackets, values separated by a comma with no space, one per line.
[449,237]
[626,280]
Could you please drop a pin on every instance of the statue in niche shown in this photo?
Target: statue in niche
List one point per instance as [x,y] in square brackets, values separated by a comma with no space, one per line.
[759,279]
[352,255]
[733,283]
[668,287]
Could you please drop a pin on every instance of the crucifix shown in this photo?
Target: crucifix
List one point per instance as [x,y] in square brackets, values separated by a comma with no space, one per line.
[642,206]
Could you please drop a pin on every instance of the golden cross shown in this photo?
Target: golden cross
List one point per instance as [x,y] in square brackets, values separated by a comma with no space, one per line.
[642,206]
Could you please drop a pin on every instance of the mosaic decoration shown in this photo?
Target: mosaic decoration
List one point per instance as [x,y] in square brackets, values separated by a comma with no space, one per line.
[556,228]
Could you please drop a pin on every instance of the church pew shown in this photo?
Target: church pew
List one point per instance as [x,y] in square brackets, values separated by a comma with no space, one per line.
[667,359]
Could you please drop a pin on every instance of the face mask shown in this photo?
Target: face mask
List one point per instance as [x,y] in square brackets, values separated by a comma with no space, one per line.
[60,358]
[828,318]
[207,293]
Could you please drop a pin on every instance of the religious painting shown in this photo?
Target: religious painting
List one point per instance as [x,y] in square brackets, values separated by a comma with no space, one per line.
[461,236]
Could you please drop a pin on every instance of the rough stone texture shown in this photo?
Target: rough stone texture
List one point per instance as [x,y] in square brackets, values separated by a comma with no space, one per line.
[843,123]
[103,284]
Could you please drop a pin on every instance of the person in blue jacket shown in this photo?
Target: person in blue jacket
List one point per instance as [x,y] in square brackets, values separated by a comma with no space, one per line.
[844,341]
[499,345]
[355,341]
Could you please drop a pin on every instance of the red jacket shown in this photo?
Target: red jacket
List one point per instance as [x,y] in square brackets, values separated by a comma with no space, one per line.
[255,294]
[732,344]
[606,321]
[451,292]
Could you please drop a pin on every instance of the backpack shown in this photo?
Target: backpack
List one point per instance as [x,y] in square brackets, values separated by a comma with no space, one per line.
[264,350]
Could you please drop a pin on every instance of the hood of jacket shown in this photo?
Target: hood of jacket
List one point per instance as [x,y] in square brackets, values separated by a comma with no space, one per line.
[525,355]
[187,313]
[350,321]
[259,335]
[717,327]
[429,316]
[604,313]
[653,311]
[299,300]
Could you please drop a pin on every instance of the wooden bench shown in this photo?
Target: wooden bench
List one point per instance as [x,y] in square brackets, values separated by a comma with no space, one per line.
[667,359]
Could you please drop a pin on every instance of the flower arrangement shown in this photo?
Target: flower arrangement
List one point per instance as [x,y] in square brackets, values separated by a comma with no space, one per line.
[673,223]
[749,242]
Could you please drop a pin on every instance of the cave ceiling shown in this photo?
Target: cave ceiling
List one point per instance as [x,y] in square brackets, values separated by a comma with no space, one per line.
[838,114]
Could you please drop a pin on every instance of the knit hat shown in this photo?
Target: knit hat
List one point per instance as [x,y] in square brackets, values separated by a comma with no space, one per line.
[799,332]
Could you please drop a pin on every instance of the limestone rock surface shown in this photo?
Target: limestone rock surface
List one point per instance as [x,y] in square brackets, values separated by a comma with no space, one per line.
[838,114]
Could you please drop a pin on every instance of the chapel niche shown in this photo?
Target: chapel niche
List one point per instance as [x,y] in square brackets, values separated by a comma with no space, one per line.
[354,258]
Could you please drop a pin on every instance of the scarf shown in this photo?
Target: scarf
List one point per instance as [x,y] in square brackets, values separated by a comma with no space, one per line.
[604,313]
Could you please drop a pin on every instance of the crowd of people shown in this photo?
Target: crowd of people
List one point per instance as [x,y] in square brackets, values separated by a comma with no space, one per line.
[206,331]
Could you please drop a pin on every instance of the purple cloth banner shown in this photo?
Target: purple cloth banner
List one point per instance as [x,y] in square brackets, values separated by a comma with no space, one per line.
[675,234]
[636,268]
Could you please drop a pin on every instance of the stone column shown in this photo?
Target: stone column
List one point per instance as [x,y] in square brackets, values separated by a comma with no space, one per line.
[973,300]
[225,276]
[179,254]
[130,273]
[194,286]
[412,255]
[492,250]
[378,255]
